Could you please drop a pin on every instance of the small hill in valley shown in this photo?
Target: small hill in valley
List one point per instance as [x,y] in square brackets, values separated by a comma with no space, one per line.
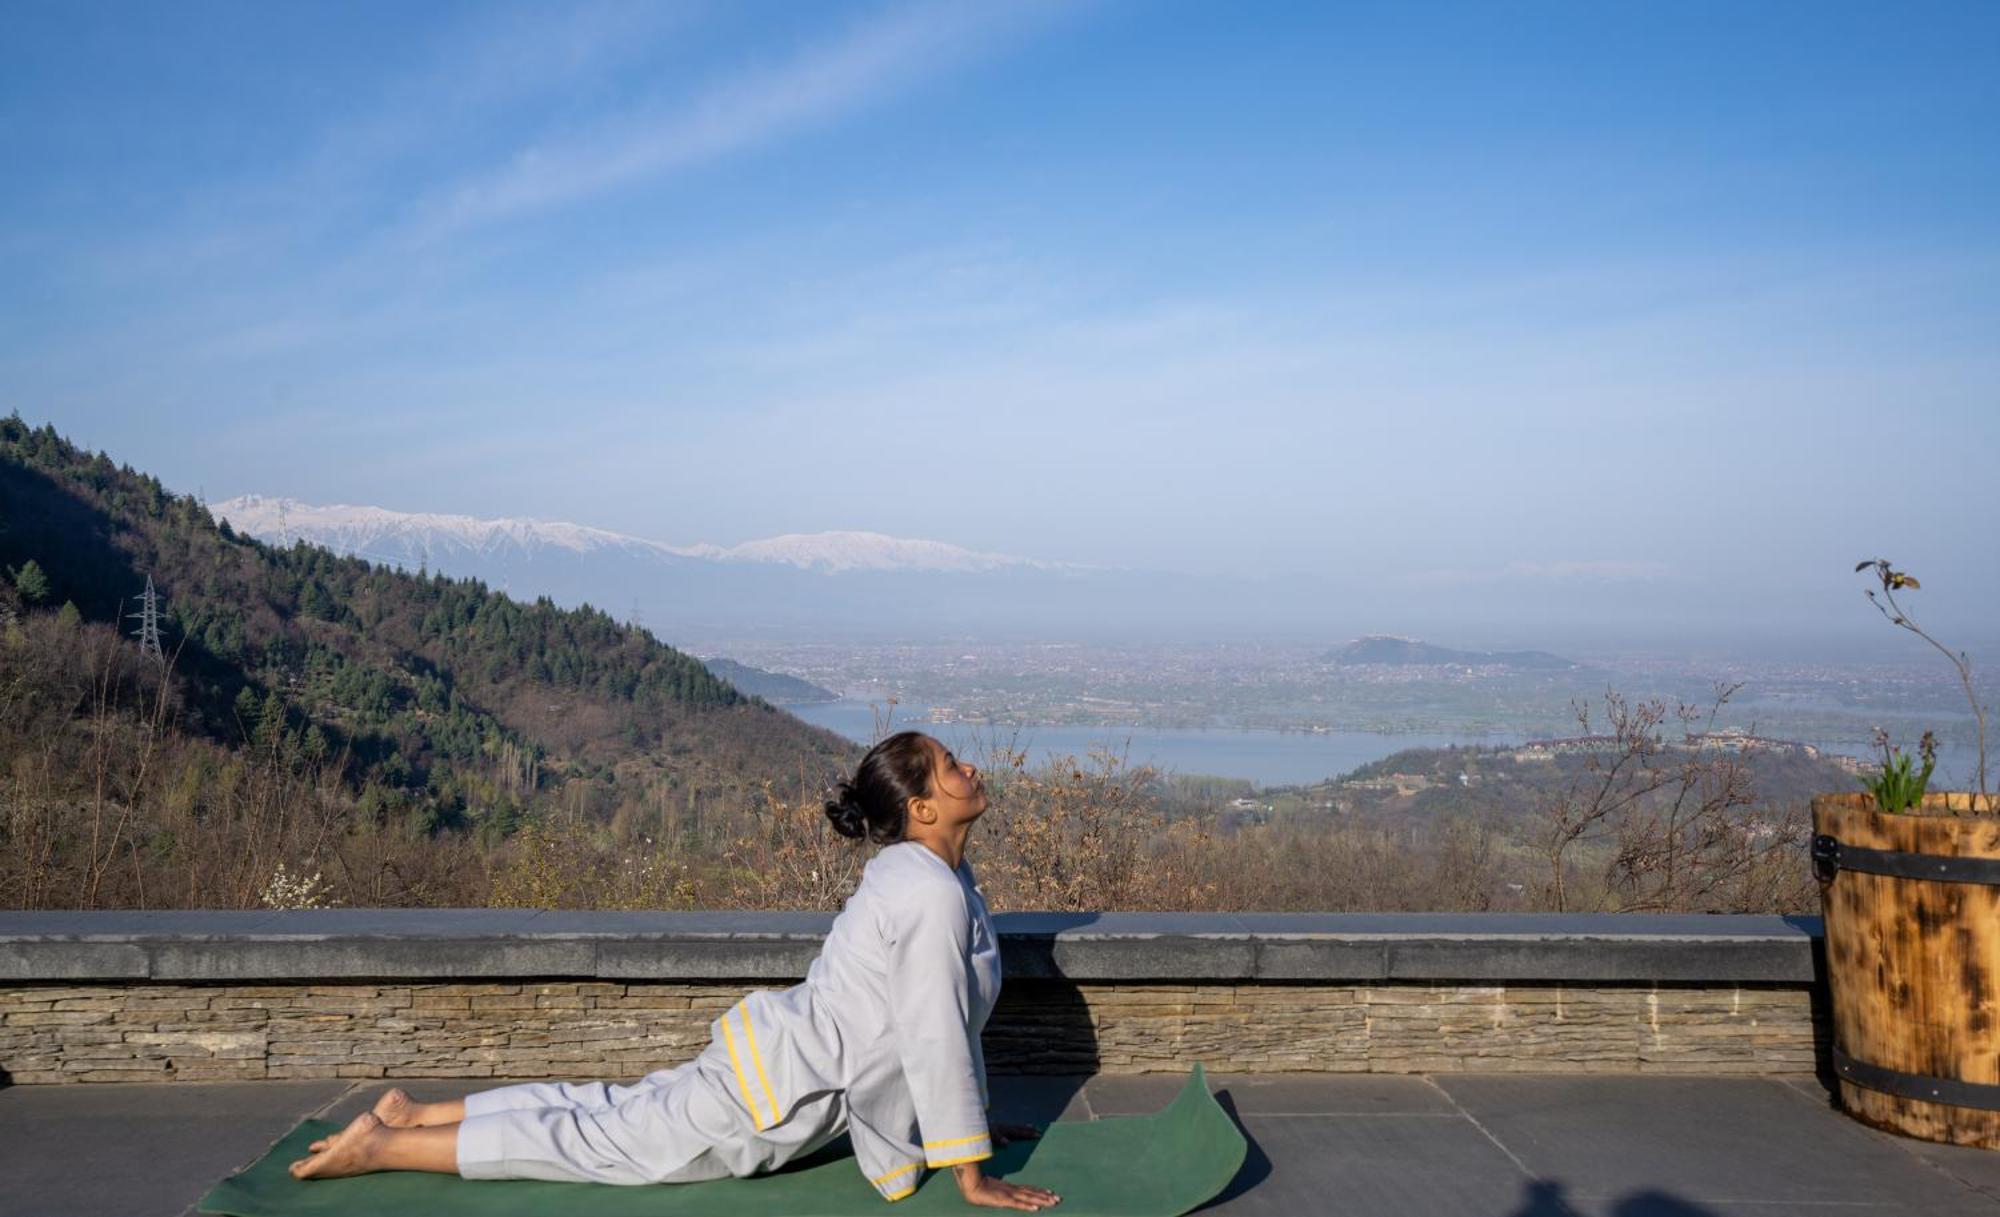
[1392,650]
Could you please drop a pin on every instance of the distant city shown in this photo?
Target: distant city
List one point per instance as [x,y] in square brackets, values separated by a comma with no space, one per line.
[1165,694]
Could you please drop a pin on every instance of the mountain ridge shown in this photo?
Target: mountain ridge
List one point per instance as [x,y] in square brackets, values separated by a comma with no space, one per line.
[356,528]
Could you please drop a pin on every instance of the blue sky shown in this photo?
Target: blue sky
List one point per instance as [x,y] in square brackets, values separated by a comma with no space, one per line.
[1684,307]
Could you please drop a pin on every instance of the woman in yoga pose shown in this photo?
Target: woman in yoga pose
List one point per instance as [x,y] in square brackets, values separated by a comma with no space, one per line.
[881,1040]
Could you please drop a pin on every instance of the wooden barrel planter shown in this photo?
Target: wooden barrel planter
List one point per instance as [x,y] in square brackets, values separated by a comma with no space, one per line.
[1912,911]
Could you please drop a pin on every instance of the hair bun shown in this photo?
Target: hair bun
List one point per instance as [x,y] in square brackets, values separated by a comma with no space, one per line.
[848,819]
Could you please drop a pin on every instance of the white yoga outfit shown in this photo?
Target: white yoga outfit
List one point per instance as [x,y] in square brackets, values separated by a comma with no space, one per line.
[880,1041]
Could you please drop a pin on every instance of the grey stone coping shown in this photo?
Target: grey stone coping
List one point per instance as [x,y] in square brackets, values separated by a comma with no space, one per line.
[476,944]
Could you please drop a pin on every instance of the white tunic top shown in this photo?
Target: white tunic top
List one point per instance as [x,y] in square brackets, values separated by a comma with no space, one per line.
[881,1040]
[890,1013]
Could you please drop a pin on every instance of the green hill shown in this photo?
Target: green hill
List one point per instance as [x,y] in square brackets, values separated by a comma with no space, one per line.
[772,686]
[430,699]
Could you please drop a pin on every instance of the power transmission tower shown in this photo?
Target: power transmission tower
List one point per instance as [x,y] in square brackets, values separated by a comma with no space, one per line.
[149,623]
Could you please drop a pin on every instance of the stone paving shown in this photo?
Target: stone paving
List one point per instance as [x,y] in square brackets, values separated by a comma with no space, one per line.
[1359,1145]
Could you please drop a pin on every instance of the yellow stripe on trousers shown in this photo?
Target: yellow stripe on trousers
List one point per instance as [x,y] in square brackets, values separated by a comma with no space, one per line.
[729,1037]
[757,1059]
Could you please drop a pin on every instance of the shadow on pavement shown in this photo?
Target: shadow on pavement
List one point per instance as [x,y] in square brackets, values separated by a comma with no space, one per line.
[1544,1198]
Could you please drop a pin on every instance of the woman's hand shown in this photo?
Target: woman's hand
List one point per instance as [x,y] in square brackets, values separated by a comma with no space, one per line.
[1003,1133]
[984,1190]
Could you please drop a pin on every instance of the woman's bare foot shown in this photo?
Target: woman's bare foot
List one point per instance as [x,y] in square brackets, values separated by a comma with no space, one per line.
[397,1109]
[351,1151]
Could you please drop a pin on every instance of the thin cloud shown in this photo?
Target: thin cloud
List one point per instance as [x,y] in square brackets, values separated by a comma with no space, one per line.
[473,73]
[868,63]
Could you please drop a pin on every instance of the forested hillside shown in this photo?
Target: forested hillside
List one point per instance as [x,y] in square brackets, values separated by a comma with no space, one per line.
[431,704]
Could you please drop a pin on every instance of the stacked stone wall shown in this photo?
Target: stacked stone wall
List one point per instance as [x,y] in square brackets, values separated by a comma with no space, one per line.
[149,1032]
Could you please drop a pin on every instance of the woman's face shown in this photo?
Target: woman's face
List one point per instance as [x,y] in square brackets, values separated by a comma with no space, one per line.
[956,787]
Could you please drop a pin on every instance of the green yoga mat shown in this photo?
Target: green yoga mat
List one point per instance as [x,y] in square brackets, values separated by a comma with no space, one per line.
[1132,1166]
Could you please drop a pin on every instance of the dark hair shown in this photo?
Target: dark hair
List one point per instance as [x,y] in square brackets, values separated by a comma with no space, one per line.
[876,800]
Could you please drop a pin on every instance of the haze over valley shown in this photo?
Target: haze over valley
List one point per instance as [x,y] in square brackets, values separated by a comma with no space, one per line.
[1046,651]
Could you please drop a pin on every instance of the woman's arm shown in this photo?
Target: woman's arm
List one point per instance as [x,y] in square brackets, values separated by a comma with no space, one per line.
[929,1002]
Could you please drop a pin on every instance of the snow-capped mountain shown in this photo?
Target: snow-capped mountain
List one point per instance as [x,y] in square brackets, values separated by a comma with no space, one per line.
[827,584]
[834,552]
[405,536]
[436,540]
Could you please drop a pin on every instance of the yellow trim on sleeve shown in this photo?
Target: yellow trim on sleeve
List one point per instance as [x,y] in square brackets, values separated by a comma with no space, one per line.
[954,1141]
[758,1060]
[902,1195]
[964,1160]
[743,1081]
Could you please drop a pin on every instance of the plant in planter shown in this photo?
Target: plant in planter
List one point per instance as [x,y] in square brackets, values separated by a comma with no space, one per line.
[1896,788]
[1910,889]
[1892,581]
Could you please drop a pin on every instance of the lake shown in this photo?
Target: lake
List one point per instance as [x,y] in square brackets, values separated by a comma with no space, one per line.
[1268,758]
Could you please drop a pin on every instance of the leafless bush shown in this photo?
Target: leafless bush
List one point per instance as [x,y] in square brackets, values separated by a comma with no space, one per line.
[1670,823]
[1068,836]
[789,857]
[562,863]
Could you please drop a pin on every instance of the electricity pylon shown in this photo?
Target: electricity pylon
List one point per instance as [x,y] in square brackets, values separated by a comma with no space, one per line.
[149,623]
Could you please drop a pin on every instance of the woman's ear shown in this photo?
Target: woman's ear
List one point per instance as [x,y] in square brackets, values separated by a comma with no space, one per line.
[922,812]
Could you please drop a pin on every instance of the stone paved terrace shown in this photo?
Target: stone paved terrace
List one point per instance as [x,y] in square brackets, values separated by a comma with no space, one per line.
[1395,1064]
[1357,1145]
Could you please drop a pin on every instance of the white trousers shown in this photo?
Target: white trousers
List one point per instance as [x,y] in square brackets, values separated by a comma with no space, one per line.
[674,1125]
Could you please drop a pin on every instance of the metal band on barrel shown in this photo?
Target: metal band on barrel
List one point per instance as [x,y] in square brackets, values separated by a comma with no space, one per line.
[1921,1086]
[1830,854]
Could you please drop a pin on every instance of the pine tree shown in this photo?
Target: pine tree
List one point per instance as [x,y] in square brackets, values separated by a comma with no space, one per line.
[32,582]
[248,708]
[270,737]
[68,617]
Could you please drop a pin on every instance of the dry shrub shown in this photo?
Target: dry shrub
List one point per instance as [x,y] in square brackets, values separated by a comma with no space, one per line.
[1064,837]
[789,857]
[400,865]
[562,863]
[1076,836]
[1320,867]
